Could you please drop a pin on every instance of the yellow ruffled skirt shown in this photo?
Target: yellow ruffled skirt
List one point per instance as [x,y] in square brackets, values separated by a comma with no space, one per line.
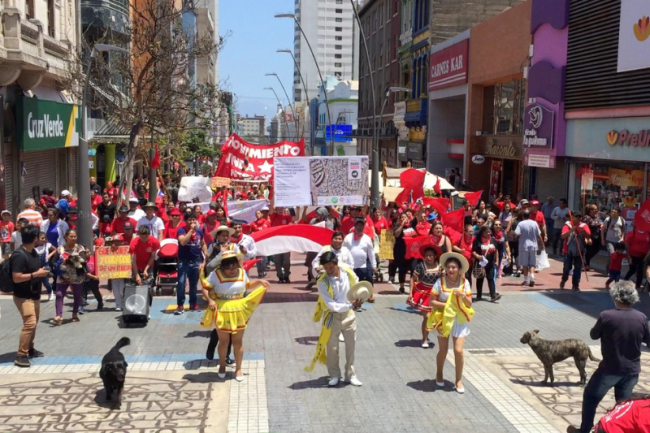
[232,315]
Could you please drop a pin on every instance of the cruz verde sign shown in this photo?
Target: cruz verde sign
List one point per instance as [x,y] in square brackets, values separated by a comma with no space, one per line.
[46,124]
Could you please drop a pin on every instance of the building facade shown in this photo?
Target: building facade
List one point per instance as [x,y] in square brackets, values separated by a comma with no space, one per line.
[343,102]
[330,27]
[253,128]
[380,20]
[38,123]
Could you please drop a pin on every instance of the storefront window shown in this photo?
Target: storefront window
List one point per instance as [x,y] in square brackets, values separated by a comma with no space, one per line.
[613,185]
[505,113]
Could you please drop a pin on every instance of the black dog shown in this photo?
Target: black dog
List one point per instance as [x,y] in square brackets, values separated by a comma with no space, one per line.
[550,352]
[113,371]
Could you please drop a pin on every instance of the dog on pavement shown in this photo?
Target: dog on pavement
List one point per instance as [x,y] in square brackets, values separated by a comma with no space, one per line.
[113,371]
[550,352]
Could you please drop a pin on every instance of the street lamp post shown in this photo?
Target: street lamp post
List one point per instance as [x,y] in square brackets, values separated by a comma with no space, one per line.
[329,118]
[304,86]
[273,74]
[84,219]
[281,109]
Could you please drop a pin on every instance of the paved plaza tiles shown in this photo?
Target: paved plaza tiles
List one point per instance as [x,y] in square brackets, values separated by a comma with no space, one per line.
[171,387]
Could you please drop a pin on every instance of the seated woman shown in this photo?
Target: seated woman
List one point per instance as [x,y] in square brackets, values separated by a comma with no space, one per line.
[229,310]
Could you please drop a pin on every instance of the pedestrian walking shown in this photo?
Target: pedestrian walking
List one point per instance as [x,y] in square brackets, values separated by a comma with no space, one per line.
[576,237]
[68,276]
[530,241]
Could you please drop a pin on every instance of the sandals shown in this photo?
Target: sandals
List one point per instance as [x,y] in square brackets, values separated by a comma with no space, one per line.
[75,318]
[57,321]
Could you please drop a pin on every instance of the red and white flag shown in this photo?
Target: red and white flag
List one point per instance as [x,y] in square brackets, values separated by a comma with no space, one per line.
[299,238]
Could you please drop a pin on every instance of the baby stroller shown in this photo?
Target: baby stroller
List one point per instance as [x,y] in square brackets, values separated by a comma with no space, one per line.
[167,260]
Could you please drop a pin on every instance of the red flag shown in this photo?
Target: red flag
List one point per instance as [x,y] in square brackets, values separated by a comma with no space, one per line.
[413,180]
[439,204]
[413,245]
[642,217]
[404,196]
[436,187]
[452,234]
[454,220]
[248,264]
[473,198]
[155,161]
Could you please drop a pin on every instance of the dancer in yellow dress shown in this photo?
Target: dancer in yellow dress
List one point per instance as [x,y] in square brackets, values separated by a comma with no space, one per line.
[229,310]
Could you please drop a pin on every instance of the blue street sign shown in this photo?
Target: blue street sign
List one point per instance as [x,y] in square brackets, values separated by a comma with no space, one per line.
[341,133]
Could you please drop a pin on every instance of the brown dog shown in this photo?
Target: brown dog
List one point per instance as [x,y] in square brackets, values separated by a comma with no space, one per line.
[550,352]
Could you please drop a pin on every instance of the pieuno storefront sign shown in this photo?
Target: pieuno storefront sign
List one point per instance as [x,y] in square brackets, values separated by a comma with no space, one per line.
[46,124]
[538,127]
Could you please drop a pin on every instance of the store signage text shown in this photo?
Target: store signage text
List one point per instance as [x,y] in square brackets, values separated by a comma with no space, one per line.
[478,159]
[45,127]
[625,138]
[495,149]
[539,127]
[449,67]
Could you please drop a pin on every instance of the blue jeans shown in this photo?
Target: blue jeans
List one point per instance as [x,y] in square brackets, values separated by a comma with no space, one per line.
[598,386]
[187,270]
[364,274]
[571,261]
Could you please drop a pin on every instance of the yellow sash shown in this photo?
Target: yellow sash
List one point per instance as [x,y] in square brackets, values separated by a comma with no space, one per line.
[326,314]
[455,308]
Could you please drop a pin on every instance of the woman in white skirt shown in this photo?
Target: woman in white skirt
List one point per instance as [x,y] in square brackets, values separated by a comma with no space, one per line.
[451,319]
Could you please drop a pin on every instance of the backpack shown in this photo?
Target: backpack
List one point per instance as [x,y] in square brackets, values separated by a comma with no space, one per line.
[6,277]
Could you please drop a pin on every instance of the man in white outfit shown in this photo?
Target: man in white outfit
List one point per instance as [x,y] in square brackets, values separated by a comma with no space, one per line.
[342,253]
[245,243]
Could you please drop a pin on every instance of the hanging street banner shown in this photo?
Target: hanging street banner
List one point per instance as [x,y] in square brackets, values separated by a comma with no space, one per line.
[243,160]
[634,35]
[46,124]
[321,181]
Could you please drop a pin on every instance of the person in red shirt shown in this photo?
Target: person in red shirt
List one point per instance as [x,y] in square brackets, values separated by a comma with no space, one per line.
[464,247]
[379,222]
[172,226]
[6,230]
[638,246]
[260,223]
[209,225]
[422,226]
[143,254]
[123,218]
[577,236]
[538,217]
[95,200]
[161,210]
[347,223]
[282,261]
[105,227]
[127,236]
[615,264]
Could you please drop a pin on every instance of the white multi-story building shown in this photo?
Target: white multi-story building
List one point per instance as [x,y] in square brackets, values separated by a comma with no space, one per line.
[343,98]
[331,29]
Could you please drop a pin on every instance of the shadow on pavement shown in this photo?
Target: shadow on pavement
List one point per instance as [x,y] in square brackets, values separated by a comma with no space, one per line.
[426,385]
[321,382]
[308,341]
[592,303]
[204,334]
[544,385]
[202,377]
[413,343]
[100,399]
[276,298]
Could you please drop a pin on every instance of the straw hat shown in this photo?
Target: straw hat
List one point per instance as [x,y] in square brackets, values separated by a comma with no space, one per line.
[464,264]
[227,255]
[360,291]
[224,229]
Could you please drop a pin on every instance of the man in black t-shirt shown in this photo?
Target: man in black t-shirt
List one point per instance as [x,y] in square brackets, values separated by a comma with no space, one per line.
[621,332]
[27,274]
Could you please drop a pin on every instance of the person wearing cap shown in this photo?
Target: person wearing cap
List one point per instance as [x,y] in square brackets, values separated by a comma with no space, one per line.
[175,223]
[151,221]
[337,312]
[363,252]
[209,225]
[123,218]
[538,217]
[191,250]
[134,209]
[451,301]
[279,217]
[229,309]
[129,231]
[426,274]
[30,213]
[64,202]
[106,207]
[143,250]
[6,230]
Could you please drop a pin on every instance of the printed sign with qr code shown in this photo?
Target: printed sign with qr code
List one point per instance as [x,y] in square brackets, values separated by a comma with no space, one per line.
[354,169]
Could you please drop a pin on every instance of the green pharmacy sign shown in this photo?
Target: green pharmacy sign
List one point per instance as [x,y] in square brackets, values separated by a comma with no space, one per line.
[47,124]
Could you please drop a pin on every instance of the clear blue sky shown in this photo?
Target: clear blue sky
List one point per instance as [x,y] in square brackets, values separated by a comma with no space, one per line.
[249,53]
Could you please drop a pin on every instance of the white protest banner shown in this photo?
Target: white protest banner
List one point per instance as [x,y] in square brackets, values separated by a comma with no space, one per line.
[193,187]
[634,35]
[239,210]
[321,181]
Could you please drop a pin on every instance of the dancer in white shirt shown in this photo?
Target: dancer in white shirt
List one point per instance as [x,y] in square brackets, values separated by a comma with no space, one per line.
[342,253]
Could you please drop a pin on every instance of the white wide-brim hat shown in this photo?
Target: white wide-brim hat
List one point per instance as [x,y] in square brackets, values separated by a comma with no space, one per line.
[464,264]
[360,291]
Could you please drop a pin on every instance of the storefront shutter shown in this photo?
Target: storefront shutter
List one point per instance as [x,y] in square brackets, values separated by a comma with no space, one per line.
[552,182]
[40,169]
[592,80]
[72,169]
[9,179]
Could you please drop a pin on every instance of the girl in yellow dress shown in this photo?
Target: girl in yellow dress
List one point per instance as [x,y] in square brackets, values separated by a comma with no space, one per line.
[229,310]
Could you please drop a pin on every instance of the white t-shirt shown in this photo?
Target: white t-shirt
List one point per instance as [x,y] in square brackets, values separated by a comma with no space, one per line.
[136,214]
[17,239]
[615,230]
[155,224]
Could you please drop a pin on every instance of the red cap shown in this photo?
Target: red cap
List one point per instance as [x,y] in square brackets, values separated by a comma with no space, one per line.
[212,212]
[176,211]
[99,242]
[534,202]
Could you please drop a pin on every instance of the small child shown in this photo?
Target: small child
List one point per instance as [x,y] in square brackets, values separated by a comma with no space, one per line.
[616,262]
[105,227]
[45,251]
[6,230]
